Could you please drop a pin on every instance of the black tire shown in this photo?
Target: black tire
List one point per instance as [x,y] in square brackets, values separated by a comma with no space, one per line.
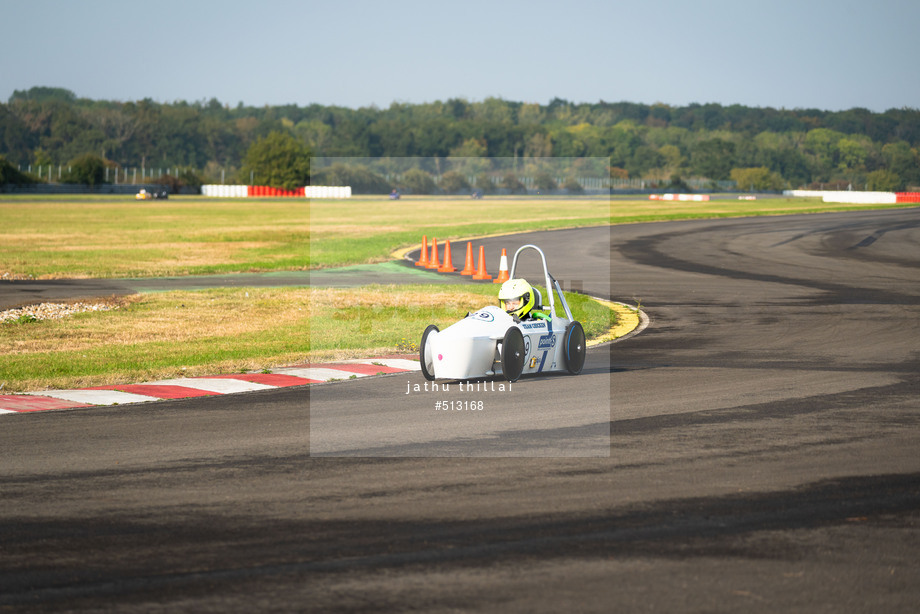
[426,361]
[574,348]
[513,354]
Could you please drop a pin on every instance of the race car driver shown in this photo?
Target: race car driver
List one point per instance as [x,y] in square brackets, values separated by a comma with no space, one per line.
[518,298]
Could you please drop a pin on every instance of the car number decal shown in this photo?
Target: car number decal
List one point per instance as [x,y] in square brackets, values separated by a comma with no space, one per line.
[483,316]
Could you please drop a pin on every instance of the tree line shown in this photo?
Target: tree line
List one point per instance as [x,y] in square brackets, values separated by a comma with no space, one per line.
[758,148]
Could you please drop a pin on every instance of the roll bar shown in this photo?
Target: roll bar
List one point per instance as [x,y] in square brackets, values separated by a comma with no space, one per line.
[550,281]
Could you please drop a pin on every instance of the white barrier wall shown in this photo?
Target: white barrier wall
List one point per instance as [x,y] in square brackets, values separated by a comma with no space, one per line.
[846,196]
[861,198]
[225,191]
[804,193]
[327,191]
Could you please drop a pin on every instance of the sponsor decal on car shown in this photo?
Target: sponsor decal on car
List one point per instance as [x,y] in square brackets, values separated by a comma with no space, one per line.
[533,325]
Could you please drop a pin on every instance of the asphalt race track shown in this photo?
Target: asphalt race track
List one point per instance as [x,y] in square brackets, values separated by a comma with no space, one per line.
[764,456]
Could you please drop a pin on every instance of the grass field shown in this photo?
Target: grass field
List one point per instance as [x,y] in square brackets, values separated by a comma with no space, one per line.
[155,336]
[114,236]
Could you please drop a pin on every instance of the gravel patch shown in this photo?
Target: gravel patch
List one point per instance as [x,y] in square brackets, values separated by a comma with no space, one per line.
[52,311]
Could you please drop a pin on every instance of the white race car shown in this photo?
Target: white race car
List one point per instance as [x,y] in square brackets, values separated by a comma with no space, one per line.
[490,342]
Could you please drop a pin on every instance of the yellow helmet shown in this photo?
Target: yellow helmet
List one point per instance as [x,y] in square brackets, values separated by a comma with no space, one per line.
[516,296]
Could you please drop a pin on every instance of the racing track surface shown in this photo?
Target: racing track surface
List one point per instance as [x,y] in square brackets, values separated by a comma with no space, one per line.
[763,457]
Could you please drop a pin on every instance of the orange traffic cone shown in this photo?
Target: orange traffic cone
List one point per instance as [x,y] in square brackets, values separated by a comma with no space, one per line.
[423,261]
[448,266]
[481,273]
[469,269]
[433,262]
[502,269]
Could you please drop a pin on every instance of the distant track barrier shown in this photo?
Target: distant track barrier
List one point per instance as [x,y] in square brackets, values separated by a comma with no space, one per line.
[855,197]
[687,197]
[264,191]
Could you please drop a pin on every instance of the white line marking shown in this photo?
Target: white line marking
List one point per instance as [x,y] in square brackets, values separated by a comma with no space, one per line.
[95,397]
[317,373]
[220,385]
[396,363]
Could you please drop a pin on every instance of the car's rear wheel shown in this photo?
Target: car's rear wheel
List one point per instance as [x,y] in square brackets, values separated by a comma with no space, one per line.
[574,348]
[513,354]
[425,357]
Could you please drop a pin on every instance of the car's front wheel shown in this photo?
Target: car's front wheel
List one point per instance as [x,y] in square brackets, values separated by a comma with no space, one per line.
[513,354]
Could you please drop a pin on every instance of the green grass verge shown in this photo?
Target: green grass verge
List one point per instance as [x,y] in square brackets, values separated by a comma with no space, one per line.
[116,236]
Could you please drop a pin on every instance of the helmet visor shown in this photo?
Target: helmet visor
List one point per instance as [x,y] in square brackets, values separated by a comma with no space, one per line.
[513,304]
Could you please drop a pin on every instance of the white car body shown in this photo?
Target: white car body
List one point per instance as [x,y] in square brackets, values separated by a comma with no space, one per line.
[483,345]
[472,347]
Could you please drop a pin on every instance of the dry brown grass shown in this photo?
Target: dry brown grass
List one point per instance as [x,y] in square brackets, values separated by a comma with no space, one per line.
[172,317]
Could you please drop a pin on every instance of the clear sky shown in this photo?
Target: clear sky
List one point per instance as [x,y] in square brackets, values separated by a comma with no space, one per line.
[825,54]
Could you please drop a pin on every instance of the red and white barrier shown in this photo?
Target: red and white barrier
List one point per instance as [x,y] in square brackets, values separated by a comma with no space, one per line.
[689,197]
[264,191]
